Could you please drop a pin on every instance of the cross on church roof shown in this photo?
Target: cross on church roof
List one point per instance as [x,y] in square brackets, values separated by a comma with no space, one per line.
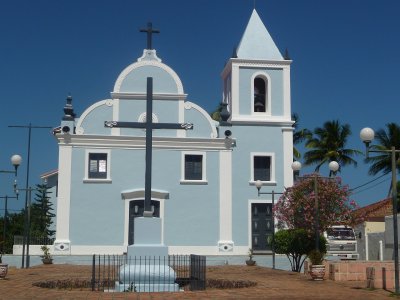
[150,32]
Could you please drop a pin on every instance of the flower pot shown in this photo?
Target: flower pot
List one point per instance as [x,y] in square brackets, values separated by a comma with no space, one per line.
[3,270]
[317,272]
[250,262]
[47,261]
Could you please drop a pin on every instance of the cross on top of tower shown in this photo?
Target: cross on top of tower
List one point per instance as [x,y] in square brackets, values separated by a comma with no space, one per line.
[150,32]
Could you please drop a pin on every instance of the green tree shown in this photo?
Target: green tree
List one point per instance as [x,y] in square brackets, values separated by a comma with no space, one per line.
[299,135]
[42,213]
[382,162]
[216,114]
[328,143]
[296,244]
[15,226]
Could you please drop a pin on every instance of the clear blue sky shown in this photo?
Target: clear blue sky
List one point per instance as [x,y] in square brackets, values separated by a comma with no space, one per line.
[345,64]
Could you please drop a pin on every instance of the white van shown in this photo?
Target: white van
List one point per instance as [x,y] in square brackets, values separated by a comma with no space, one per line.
[341,242]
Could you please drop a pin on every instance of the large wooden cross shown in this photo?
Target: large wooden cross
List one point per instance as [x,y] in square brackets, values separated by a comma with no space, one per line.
[149,126]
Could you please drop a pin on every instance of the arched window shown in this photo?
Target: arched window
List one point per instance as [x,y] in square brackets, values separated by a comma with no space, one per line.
[260,95]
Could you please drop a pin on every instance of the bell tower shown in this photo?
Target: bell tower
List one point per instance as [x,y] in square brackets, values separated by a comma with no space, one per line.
[257,78]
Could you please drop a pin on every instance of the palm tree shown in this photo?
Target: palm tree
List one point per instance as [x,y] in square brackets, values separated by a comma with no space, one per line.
[386,139]
[328,144]
[299,135]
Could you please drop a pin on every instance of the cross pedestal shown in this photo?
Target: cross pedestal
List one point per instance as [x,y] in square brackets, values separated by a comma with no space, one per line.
[147,269]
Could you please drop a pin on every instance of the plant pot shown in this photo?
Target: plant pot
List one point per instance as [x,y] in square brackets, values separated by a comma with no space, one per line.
[3,270]
[317,272]
[47,261]
[250,262]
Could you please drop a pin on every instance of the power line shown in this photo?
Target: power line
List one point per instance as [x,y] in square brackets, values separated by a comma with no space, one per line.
[370,187]
[364,184]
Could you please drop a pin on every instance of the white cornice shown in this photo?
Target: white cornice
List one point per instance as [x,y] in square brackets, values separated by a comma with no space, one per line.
[142,96]
[276,64]
[131,142]
[253,120]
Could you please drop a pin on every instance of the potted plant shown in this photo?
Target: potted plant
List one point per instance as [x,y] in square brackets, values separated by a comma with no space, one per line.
[317,268]
[250,261]
[3,267]
[46,257]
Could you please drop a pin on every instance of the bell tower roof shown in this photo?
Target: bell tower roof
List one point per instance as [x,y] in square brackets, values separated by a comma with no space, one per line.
[256,42]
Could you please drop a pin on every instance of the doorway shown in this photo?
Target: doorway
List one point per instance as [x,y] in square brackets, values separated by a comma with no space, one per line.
[261,226]
[136,209]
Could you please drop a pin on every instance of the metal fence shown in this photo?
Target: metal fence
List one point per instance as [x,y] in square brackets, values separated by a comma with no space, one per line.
[148,274]
[34,240]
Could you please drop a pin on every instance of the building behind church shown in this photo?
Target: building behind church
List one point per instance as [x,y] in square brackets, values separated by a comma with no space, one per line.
[203,180]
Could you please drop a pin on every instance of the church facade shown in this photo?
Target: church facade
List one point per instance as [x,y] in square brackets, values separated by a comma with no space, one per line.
[203,179]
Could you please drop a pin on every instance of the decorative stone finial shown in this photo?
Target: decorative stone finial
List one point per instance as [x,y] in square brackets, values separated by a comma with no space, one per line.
[69,114]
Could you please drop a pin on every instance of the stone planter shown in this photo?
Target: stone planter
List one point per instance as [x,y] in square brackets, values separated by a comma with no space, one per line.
[250,262]
[317,272]
[3,270]
[47,261]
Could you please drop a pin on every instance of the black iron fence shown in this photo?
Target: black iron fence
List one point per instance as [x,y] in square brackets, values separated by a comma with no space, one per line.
[148,274]
[34,240]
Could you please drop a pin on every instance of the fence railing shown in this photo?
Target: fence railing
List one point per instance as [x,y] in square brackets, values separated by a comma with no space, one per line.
[148,274]
[34,240]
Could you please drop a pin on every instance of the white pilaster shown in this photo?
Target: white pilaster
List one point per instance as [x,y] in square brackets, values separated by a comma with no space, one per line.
[64,193]
[286,92]
[225,242]
[287,133]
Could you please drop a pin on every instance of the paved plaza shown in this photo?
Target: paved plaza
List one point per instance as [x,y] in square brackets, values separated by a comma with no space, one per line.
[271,284]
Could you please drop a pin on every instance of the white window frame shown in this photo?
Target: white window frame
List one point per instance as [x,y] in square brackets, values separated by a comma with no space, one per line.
[204,169]
[272,180]
[267,78]
[86,175]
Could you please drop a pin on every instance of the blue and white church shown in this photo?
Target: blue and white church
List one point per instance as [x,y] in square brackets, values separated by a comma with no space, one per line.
[203,180]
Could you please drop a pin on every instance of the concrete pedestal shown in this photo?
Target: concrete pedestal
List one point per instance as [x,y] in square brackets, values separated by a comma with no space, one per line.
[147,269]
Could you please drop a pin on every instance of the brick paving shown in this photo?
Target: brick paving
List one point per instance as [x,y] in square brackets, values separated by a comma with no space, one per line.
[271,284]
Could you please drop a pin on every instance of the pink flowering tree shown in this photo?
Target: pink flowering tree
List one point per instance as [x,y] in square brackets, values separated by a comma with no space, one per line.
[296,214]
[296,207]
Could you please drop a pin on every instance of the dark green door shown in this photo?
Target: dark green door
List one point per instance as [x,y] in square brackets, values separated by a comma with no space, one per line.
[136,208]
[261,226]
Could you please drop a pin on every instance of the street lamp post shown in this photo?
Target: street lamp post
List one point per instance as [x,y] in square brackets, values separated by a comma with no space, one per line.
[258,185]
[27,224]
[367,135]
[15,161]
[333,167]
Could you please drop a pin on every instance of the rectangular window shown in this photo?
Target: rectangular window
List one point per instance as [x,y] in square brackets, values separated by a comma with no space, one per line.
[262,168]
[97,165]
[193,167]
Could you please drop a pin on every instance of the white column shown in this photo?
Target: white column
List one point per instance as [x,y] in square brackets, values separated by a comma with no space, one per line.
[64,193]
[286,92]
[225,242]
[287,133]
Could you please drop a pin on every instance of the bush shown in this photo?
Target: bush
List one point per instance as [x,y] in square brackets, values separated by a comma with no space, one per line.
[296,244]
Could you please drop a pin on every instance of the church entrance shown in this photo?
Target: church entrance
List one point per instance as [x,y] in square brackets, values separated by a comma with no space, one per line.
[136,208]
[261,226]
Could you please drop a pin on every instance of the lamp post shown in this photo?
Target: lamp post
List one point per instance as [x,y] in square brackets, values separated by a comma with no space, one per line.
[27,224]
[258,185]
[333,167]
[15,161]
[367,135]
